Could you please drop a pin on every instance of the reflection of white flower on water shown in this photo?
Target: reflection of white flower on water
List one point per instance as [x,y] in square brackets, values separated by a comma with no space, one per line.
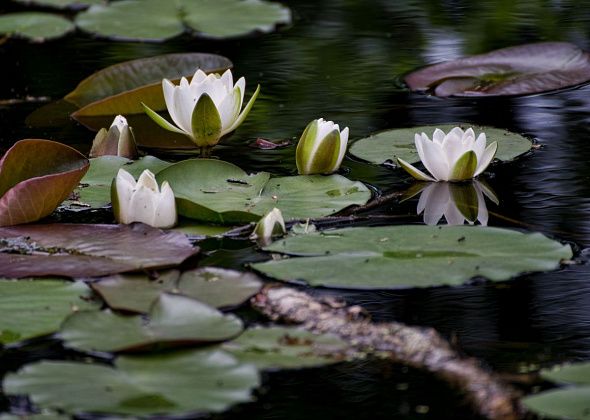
[458,203]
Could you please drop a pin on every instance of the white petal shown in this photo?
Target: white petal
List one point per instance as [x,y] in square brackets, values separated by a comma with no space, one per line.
[479,146]
[435,160]
[343,144]
[229,110]
[147,179]
[168,88]
[228,79]
[486,159]
[436,204]
[438,136]
[120,122]
[165,213]
[184,103]
[124,187]
[324,128]
[198,77]
[241,83]
[469,133]
[456,131]
[142,206]
[453,148]
[482,210]
[453,215]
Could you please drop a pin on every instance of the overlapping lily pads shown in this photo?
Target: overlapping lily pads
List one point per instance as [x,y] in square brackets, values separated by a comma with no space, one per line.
[214,286]
[85,250]
[220,192]
[172,320]
[35,177]
[571,401]
[30,308]
[411,256]
[94,190]
[285,347]
[154,20]
[36,26]
[399,143]
[519,70]
[192,381]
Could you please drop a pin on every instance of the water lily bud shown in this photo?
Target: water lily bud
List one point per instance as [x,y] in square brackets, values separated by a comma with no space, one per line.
[456,156]
[272,224]
[321,148]
[117,141]
[206,109]
[143,201]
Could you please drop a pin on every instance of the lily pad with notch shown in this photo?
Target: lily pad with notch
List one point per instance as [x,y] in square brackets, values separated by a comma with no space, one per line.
[410,256]
[171,383]
[399,143]
[519,70]
[172,320]
[220,192]
[87,250]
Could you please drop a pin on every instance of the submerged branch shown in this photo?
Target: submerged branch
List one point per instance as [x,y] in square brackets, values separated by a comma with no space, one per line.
[422,348]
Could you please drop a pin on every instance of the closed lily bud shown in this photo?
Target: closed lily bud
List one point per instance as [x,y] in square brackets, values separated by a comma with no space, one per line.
[272,224]
[143,201]
[117,141]
[321,148]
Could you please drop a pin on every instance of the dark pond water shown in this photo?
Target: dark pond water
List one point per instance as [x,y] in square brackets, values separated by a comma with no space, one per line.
[342,60]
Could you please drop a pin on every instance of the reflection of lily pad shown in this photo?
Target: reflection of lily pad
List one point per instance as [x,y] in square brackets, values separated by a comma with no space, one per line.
[173,319]
[155,20]
[399,143]
[572,402]
[416,256]
[29,308]
[217,191]
[519,70]
[94,190]
[283,347]
[36,26]
[201,380]
[214,286]
[84,250]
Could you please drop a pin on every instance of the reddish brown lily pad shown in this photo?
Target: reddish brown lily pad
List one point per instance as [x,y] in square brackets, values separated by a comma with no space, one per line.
[35,177]
[81,250]
[520,70]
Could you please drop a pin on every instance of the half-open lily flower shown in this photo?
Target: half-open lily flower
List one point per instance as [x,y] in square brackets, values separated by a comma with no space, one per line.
[321,148]
[143,201]
[206,109]
[271,224]
[117,141]
[456,156]
[457,203]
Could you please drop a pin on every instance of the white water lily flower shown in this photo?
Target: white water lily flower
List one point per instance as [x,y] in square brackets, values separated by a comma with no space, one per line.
[205,109]
[271,224]
[117,141]
[457,203]
[143,201]
[456,156]
[321,148]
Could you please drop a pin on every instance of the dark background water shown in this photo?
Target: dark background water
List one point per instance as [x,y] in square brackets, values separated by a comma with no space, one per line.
[343,60]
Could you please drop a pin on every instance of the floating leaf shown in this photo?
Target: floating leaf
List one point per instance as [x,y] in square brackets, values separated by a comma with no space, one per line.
[214,286]
[414,256]
[172,319]
[201,380]
[284,347]
[37,26]
[399,143]
[217,191]
[35,177]
[572,402]
[94,190]
[519,70]
[80,250]
[62,4]
[30,308]
[154,20]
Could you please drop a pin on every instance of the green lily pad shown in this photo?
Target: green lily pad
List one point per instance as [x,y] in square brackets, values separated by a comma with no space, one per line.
[572,402]
[285,347]
[411,256]
[30,308]
[154,20]
[94,190]
[120,89]
[399,143]
[173,320]
[36,26]
[214,286]
[178,382]
[35,177]
[518,70]
[220,192]
[62,4]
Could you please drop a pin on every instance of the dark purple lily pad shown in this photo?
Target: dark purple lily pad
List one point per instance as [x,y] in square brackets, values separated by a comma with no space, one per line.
[81,250]
[520,70]
[35,177]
